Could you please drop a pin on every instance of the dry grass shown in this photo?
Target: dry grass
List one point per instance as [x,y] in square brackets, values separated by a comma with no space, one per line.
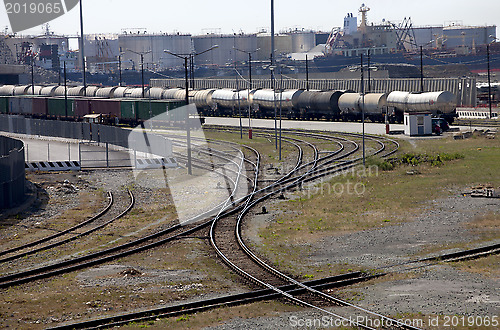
[48,302]
[487,225]
[219,316]
[487,266]
[388,198]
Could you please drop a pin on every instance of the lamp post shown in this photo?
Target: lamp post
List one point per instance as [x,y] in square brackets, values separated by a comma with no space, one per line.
[65,92]
[363,106]
[185,57]
[422,65]
[307,74]
[272,73]
[489,75]
[369,71]
[33,73]
[272,68]
[141,54]
[120,68]
[82,53]
[421,69]
[249,84]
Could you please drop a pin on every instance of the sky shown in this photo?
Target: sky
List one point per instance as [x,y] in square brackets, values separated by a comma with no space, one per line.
[229,16]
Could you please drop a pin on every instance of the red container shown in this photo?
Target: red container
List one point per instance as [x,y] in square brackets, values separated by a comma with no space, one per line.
[109,107]
[40,106]
[82,107]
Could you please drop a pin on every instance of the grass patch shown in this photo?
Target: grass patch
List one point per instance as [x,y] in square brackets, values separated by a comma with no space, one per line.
[220,315]
[487,266]
[385,196]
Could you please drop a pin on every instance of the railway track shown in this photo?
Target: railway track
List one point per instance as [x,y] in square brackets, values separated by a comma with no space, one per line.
[226,239]
[275,283]
[256,295]
[135,246]
[54,236]
[92,225]
[278,186]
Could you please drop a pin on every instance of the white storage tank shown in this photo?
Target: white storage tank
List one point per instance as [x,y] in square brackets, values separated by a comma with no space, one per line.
[59,91]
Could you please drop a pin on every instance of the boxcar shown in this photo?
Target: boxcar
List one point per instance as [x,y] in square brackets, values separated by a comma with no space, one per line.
[56,107]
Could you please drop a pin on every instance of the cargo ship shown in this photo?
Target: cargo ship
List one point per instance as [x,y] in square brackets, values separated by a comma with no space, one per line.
[390,44]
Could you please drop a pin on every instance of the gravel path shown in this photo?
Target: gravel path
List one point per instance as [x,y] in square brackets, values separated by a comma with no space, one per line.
[436,290]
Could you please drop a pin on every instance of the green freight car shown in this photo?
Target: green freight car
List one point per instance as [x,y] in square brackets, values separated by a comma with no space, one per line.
[128,110]
[56,107]
[4,104]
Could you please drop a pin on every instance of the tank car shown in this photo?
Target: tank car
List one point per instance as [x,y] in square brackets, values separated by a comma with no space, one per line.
[119,92]
[7,90]
[267,99]
[91,91]
[223,102]
[169,94]
[325,104]
[106,92]
[435,102]
[48,91]
[21,90]
[203,101]
[352,106]
[34,90]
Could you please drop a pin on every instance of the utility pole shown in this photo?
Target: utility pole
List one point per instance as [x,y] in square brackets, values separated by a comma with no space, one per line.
[307,74]
[82,52]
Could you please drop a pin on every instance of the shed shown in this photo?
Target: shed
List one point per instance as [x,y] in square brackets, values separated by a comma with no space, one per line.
[418,123]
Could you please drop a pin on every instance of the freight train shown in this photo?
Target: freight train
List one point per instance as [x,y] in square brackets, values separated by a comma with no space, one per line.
[331,105]
[112,103]
[128,105]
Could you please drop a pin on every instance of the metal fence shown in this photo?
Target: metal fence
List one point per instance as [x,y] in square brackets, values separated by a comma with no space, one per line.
[112,139]
[11,172]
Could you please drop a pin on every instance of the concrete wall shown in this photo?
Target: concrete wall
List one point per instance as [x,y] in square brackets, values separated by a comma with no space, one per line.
[11,172]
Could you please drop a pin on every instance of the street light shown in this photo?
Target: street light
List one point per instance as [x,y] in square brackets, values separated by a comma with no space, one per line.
[307,74]
[249,63]
[185,57]
[32,72]
[82,53]
[120,67]
[422,64]
[249,84]
[489,77]
[272,68]
[363,106]
[141,54]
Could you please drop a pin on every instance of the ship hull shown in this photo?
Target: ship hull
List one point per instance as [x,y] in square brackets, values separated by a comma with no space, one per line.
[334,63]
